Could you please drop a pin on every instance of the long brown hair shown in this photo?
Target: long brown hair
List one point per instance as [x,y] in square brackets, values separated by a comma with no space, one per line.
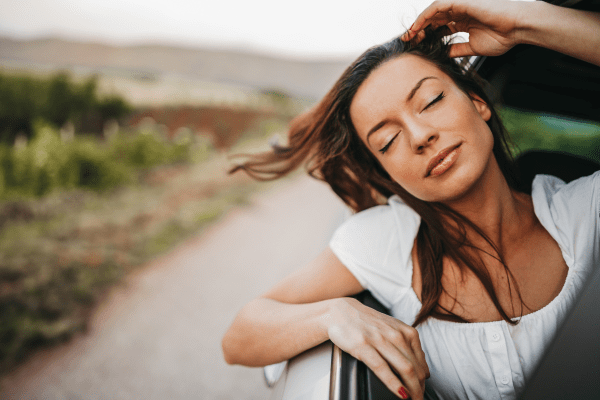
[325,141]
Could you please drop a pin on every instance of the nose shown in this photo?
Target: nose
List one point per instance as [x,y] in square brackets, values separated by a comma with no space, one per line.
[422,136]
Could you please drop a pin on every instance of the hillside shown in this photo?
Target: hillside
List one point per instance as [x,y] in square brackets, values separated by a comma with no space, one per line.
[308,79]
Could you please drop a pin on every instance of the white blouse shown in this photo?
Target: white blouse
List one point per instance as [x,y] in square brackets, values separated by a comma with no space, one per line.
[485,360]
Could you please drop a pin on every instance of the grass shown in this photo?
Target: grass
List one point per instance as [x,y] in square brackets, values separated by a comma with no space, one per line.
[59,253]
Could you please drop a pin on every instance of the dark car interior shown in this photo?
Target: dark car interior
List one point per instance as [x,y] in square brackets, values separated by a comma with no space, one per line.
[537,80]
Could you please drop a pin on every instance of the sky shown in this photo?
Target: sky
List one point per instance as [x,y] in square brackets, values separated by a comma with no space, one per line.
[296,29]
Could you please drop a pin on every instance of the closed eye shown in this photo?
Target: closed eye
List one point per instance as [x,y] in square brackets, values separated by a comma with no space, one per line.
[441,96]
[387,146]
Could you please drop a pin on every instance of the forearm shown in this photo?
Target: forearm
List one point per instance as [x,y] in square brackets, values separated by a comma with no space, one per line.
[267,331]
[568,31]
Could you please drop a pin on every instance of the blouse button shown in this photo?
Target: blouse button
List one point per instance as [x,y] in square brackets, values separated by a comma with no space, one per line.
[496,337]
[504,380]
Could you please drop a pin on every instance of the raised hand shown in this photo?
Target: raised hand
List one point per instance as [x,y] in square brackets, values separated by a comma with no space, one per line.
[492,25]
[390,348]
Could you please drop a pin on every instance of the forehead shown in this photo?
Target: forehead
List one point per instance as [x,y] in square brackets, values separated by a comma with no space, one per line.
[391,83]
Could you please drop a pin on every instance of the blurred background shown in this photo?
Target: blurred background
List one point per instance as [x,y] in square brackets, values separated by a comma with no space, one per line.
[116,122]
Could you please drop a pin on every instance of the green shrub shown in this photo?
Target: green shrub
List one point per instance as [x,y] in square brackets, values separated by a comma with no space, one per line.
[47,163]
[57,99]
[92,166]
[548,132]
[147,148]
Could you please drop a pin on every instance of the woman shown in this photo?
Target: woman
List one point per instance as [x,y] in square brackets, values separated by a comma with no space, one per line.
[477,275]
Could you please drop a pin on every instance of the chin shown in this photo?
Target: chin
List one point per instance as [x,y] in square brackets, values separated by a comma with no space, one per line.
[455,184]
[472,180]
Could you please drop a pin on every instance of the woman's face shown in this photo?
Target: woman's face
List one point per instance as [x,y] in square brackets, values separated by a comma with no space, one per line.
[430,136]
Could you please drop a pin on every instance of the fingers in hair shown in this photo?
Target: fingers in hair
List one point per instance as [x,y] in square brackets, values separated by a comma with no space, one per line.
[436,11]
[461,50]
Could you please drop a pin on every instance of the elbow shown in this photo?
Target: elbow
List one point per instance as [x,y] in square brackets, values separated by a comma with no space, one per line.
[227,356]
[229,352]
[241,344]
[240,351]
[236,350]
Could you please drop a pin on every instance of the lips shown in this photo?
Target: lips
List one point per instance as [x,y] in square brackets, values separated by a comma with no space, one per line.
[442,160]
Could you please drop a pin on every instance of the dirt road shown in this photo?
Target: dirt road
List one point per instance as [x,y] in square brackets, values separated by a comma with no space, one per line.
[158,336]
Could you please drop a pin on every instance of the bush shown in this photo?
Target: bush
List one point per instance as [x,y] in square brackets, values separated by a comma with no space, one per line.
[47,163]
[94,168]
[148,147]
[143,150]
[25,99]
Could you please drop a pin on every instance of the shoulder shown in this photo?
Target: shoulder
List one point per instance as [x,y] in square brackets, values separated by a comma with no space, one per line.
[373,230]
[554,190]
[571,213]
[576,199]
[376,244]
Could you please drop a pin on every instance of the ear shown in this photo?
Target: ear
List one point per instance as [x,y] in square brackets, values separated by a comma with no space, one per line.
[481,106]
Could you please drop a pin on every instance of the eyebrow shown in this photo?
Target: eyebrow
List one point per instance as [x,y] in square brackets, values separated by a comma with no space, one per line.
[417,87]
[408,98]
[376,128]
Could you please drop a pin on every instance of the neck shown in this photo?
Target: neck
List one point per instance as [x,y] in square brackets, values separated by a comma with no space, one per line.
[500,212]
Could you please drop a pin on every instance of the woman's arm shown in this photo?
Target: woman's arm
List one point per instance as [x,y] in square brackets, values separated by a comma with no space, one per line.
[308,308]
[496,26]
[266,330]
[568,31]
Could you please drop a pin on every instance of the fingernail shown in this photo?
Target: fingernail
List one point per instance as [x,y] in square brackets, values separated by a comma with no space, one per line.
[403,393]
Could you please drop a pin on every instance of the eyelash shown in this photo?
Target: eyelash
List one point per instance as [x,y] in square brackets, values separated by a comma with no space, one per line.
[387,146]
[441,96]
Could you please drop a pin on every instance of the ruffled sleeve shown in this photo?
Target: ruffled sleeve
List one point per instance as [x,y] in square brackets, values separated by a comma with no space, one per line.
[375,245]
[571,213]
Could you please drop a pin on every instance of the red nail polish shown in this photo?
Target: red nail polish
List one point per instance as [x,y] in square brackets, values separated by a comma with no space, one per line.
[403,393]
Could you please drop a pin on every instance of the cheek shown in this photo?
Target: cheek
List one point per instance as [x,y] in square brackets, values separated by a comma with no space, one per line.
[484,143]
[405,173]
